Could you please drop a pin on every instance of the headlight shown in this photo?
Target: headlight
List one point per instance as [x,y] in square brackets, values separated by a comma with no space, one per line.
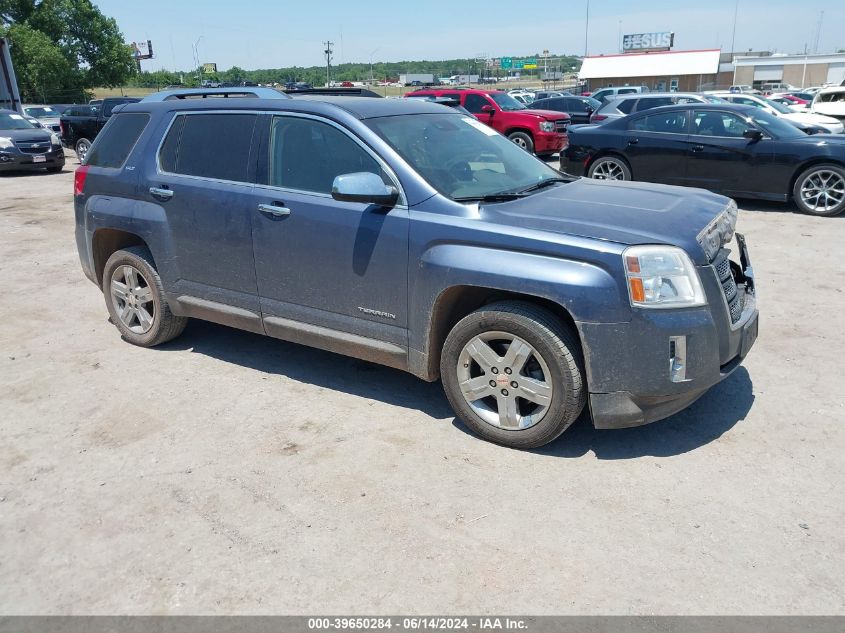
[662,277]
[6,142]
[719,232]
[54,138]
[547,126]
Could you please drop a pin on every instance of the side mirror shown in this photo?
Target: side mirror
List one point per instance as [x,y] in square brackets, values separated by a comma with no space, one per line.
[488,109]
[753,135]
[364,187]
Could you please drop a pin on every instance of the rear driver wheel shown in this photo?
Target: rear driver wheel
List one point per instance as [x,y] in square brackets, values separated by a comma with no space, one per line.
[82,147]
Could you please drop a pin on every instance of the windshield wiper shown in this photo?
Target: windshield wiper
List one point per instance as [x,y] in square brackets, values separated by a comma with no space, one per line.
[543,184]
[503,196]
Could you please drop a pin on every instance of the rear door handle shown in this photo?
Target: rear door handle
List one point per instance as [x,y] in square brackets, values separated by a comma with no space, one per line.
[698,148]
[633,141]
[273,211]
[161,193]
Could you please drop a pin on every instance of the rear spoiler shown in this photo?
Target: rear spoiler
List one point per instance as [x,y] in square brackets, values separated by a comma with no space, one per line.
[216,93]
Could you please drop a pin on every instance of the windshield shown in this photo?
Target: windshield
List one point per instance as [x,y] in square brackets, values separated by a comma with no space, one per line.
[460,156]
[9,121]
[831,97]
[594,103]
[42,113]
[506,102]
[778,106]
[778,128]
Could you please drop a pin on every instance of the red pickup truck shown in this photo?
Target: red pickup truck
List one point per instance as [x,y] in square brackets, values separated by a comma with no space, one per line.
[542,132]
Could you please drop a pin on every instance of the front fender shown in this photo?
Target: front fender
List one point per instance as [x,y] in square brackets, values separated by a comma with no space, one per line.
[587,291]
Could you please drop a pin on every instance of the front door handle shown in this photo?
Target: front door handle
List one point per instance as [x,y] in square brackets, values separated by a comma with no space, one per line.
[273,211]
[161,193]
[698,148]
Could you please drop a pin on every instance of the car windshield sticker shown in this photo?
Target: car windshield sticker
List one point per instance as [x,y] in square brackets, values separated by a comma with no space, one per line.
[480,126]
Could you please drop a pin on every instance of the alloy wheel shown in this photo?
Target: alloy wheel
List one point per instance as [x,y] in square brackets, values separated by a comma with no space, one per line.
[520,142]
[823,190]
[608,170]
[505,381]
[133,299]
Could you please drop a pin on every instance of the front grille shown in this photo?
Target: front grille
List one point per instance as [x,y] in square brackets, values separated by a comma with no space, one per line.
[42,149]
[561,125]
[735,298]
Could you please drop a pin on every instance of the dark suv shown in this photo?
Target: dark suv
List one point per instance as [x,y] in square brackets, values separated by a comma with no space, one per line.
[619,107]
[408,234]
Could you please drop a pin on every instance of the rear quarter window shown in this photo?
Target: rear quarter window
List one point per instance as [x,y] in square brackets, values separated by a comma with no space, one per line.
[115,142]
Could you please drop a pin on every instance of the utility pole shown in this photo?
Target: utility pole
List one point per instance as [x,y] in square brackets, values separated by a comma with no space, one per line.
[818,33]
[328,53]
[587,29]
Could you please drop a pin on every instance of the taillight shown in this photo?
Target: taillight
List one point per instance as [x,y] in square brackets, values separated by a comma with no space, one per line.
[79,177]
[597,117]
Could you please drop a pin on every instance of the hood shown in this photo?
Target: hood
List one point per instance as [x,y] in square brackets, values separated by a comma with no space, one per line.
[24,135]
[809,117]
[837,140]
[623,212]
[551,115]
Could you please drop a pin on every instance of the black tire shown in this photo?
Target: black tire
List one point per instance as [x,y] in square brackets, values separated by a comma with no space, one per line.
[804,182]
[523,140]
[551,338]
[616,163]
[165,325]
[82,146]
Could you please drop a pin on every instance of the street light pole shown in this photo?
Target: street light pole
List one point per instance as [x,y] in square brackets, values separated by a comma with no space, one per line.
[197,59]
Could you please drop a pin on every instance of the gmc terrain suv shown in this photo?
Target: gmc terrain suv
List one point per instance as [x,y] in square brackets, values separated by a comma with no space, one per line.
[408,234]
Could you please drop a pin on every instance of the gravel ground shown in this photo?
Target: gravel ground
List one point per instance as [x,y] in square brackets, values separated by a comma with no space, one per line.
[230,473]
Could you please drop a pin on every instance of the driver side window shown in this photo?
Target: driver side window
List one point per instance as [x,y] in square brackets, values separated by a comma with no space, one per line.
[307,155]
[474,103]
[724,124]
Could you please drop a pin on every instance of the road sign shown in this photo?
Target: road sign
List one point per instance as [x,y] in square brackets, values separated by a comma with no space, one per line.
[518,63]
[507,62]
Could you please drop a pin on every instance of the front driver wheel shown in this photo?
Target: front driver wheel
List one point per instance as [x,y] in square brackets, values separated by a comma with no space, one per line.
[512,372]
[609,168]
[820,190]
[523,140]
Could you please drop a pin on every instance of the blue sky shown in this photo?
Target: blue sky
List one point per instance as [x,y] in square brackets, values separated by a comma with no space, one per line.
[263,34]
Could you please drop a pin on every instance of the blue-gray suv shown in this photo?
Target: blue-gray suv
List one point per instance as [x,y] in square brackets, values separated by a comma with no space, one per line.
[408,234]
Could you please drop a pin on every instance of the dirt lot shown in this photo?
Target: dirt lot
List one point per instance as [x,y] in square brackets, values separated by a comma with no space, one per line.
[230,473]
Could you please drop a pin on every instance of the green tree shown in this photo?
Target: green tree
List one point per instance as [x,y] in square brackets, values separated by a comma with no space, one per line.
[91,44]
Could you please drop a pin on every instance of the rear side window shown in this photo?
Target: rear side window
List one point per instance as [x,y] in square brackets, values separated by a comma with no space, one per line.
[626,105]
[627,91]
[647,103]
[114,145]
[192,146]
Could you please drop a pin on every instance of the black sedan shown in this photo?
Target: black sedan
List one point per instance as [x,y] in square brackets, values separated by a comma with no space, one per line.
[579,109]
[736,150]
[25,146]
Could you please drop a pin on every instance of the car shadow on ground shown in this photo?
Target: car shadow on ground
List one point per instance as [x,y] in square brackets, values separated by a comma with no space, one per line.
[715,413]
[312,366]
[706,420]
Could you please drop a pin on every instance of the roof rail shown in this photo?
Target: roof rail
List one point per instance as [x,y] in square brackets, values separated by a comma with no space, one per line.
[225,93]
[335,92]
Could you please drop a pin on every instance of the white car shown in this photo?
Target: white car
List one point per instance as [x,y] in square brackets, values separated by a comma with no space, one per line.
[833,126]
[830,102]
